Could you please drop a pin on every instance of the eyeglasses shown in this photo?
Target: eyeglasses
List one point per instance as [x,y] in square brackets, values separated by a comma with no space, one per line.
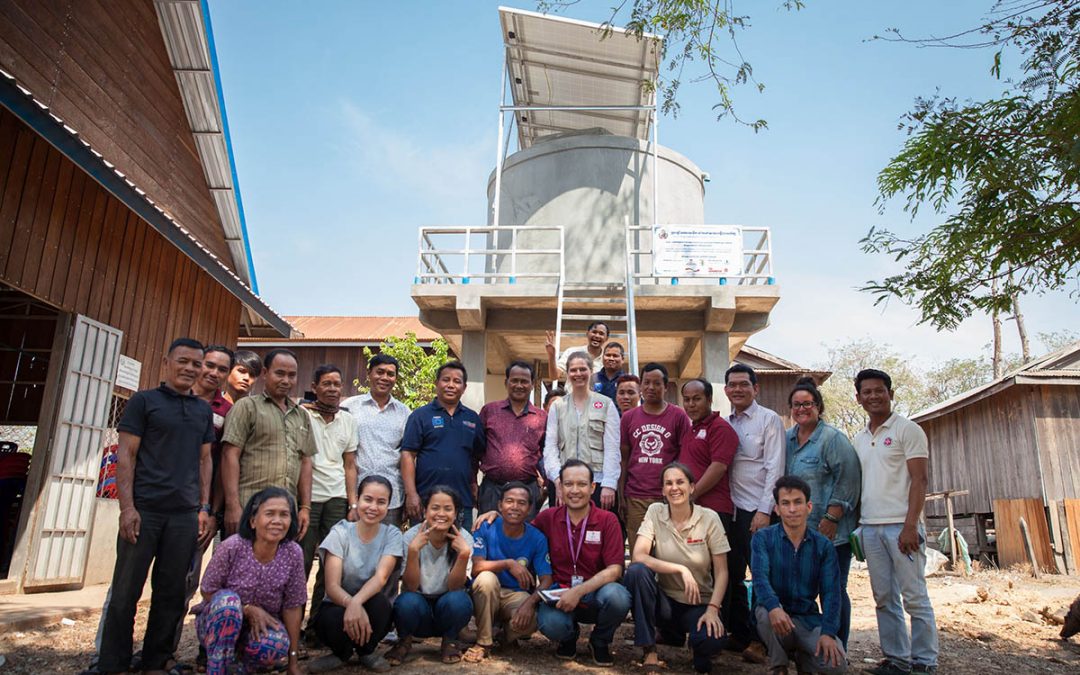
[803,404]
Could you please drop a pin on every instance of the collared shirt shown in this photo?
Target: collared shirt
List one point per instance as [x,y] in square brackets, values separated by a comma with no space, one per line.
[447,448]
[597,361]
[829,464]
[602,384]
[172,428]
[530,549]
[712,440]
[693,546]
[378,434]
[601,545]
[760,460]
[794,578]
[515,443]
[334,440]
[885,478]
[272,442]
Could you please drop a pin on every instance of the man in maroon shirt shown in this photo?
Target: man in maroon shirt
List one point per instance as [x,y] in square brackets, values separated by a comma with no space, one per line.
[586,549]
[652,437]
[515,441]
[709,449]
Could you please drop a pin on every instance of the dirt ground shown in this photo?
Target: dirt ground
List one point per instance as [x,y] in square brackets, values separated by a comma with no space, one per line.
[991,622]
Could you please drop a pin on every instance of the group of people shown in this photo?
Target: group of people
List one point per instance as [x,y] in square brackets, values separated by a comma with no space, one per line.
[409,540]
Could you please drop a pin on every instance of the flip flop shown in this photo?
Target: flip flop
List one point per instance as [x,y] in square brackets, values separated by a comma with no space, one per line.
[476,654]
[451,654]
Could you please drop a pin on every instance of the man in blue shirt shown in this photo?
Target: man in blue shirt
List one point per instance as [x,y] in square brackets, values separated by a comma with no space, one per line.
[508,556]
[792,566]
[605,380]
[442,445]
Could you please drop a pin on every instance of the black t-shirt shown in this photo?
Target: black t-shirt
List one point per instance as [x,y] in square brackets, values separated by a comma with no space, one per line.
[172,428]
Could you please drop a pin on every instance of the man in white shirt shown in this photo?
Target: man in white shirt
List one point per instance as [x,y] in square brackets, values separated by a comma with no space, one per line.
[333,470]
[895,456]
[380,424]
[757,465]
[597,336]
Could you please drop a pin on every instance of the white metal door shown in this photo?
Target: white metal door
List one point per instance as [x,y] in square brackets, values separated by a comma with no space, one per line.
[65,512]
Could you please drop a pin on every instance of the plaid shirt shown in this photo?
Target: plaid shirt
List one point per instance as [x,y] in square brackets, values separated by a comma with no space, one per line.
[794,578]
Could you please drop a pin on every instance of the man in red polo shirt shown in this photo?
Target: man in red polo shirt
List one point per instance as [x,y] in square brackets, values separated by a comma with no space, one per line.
[586,548]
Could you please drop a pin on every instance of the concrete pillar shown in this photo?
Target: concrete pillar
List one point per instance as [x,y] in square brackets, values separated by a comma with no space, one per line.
[715,360]
[474,356]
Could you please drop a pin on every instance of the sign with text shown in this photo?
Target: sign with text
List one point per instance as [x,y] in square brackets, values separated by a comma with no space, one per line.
[697,250]
[127,373]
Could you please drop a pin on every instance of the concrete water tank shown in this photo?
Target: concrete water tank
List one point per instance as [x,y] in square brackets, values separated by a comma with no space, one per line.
[590,182]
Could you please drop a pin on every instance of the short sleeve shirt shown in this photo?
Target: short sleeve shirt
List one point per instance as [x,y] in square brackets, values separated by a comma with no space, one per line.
[601,545]
[272,443]
[333,440]
[530,549]
[172,428]
[693,546]
[655,441]
[446,446]
[359,560]
[712,440]
[274,586]
[515,443]
[378,433]
[885,478]
[435,563]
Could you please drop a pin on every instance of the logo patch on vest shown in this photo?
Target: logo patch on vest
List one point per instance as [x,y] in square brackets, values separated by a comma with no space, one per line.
[598,404]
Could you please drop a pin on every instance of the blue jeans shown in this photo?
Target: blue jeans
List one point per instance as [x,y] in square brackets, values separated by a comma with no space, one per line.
[895,576]
[445,616]
[606,608]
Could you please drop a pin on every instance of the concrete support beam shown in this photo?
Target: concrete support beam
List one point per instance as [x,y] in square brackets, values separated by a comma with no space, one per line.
[689,347]
[720,314]
[474,356]
[470,312]
[714,362]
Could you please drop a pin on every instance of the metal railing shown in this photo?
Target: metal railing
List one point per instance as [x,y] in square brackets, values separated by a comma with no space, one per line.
[440,249]
[756,268]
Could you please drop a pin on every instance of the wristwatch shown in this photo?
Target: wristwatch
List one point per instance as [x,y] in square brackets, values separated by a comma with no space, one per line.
[830,517]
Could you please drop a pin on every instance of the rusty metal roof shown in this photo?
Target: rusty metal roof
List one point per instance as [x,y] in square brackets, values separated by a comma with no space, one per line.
[351,330]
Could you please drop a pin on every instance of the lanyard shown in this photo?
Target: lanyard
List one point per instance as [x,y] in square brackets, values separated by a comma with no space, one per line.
[575,553]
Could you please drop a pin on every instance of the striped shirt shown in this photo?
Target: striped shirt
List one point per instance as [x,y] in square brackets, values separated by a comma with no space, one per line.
[378,433]
[793,578]
[272,443]
[760,459]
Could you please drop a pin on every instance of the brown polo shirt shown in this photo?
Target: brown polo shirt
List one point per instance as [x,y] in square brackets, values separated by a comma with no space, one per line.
[693,546]
[272,443]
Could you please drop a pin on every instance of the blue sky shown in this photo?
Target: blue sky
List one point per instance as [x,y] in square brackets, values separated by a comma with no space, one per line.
[354,123]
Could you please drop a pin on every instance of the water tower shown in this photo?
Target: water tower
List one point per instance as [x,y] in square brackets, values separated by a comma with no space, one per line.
[590,219]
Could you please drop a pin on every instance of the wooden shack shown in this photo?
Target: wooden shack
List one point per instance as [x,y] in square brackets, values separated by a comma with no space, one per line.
[1014,445]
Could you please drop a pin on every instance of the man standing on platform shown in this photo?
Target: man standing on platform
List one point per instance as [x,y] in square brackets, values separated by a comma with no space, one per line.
[894,456]
[443,442]
[604,381]
[515,441]
[268,442]
[597,336]
[380,424]
[163,475]
[757,466]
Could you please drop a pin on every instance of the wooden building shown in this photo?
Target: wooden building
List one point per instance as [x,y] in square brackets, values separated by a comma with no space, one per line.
[121,228]
[1016,438]
[776,377]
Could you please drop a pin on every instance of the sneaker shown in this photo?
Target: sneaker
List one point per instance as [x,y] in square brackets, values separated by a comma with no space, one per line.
[923,668]
[323,664]
[567,650]
[601,654]
[888,667]
[374,663]
[755,653]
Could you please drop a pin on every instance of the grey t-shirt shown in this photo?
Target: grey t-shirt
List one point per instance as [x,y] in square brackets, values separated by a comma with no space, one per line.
[359,560]
[435,563]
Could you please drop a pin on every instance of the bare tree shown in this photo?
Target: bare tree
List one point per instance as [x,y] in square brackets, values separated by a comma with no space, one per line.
[1025,345]
[995,317]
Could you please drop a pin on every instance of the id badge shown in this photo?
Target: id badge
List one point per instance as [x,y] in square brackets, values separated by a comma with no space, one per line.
[576,580]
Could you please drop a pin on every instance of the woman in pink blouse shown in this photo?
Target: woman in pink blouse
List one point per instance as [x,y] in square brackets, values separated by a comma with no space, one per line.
[254,590]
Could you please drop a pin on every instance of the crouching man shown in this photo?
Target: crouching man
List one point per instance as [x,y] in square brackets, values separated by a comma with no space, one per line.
[792,566]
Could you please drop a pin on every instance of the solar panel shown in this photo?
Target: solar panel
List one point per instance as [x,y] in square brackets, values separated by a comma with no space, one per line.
[555,61]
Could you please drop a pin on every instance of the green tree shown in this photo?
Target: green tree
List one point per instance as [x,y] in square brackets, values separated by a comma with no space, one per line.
[700,43]
[1003,174]
[1057,339]
[955,376]
[416,368]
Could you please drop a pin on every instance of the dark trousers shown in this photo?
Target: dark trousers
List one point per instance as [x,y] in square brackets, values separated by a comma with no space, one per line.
[843,557]
[324,515]
[168,540]
[330,627]
[490,494]
[652,608]
[735,612]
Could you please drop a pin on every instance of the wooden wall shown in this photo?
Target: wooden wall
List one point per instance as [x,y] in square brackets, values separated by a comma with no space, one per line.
[102,67]
[773,390]
[69,243]
[1057,420]
[988,448]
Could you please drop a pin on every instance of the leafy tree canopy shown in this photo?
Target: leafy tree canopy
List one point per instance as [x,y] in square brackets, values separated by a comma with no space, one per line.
[1003,173]
[416,368]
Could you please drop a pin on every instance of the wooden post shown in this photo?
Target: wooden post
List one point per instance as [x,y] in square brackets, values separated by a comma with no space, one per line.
[952,530]
[1035,571]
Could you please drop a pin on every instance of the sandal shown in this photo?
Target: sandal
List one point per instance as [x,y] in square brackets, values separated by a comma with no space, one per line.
[450,653]
[652,660]
[397,654]
[476,654]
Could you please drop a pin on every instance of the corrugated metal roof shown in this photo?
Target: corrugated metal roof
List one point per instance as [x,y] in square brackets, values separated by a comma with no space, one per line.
[353,329]
[555,61]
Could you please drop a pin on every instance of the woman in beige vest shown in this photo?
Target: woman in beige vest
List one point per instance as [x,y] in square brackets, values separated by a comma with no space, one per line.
[585,426]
